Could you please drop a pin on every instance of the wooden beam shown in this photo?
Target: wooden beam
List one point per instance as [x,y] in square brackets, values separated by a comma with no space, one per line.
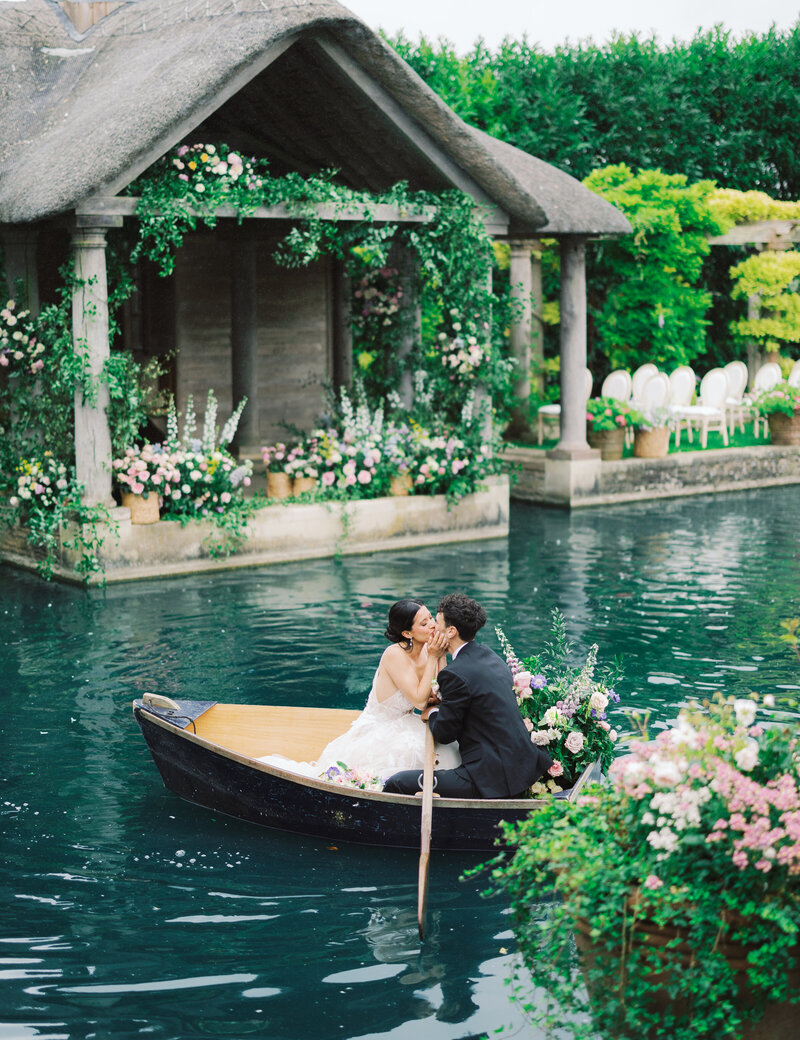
[100,208]
[767,232]
[413,133]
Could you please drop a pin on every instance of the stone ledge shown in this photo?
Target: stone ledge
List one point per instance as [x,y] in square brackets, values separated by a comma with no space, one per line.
[284,532]
[677,475]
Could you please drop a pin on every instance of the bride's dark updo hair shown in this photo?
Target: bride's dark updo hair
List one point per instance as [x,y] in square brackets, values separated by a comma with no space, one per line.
[401,618]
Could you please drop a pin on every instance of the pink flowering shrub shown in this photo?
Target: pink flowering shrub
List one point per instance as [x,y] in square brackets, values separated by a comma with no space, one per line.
[781,398]
[607,413]
[681,875]
[564,708]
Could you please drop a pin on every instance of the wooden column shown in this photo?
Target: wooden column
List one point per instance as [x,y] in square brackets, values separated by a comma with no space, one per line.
[244,339]
[342,325]
[19,250]
[90,338]
[537,320]
[410,320]
[573,344]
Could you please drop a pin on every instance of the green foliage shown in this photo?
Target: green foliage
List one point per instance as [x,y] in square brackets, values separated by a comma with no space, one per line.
[609,413]
[772,277]
[658,874]
[653,309]
[783,397]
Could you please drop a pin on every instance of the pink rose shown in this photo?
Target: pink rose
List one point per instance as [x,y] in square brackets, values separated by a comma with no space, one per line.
[522,681]
[556,769]
[574,742]
[652,882]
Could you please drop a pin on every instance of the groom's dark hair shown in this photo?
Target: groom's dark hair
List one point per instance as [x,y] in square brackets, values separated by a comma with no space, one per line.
[463,613]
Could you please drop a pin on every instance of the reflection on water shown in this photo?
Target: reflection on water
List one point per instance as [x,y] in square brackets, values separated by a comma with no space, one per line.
[128,913]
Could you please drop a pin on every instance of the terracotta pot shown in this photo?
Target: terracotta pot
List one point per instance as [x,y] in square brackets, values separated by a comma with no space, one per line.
[144,510]
[610,442]
[651,444]
[301,484]
[401,484]
[784,429]
[779,1021]
[279,485]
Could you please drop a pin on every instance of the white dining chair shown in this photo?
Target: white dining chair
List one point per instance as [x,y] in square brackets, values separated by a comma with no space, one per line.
[656,392]
[640,378]
[766,377]
[682,383]
[552,412]
[617,384]
[737,374]
[709,412]
[793,378]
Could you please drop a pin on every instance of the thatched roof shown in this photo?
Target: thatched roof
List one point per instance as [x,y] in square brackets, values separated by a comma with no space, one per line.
[302,81]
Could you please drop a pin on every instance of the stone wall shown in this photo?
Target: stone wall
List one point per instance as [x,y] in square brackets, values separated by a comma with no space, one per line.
[682,473]
[282,532]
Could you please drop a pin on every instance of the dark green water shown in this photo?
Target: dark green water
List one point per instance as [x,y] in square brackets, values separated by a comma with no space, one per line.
[128,913]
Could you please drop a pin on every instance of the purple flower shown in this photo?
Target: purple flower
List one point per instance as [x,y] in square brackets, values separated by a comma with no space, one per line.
[539,682]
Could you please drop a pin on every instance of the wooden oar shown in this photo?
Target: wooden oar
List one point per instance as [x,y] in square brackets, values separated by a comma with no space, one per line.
[425,841]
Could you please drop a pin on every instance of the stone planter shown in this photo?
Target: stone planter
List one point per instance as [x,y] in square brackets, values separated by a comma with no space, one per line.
[402,484]
[610,442]
[651,444]
[784,429]
[779,1021]
[279,485]
[303,484]
[144,509]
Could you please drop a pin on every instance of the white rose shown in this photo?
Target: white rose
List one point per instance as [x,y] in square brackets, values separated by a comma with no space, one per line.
[745,712]
[598,701]
[574,742]
[552,717]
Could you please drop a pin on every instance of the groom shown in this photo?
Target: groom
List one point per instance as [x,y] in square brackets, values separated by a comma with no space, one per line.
[478,709]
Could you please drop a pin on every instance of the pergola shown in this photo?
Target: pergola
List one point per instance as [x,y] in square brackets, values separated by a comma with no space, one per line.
[100,91]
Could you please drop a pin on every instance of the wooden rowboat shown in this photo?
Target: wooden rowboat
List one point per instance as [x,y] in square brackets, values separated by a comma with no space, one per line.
[208,753]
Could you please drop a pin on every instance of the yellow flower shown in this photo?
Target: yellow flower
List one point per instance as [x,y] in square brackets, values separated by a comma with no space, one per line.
[192,165]
[204,157]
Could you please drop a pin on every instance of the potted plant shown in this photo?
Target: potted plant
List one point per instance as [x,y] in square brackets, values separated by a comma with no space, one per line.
[781,405]
[279,479]
[303,463]
[679,881]
[651,433]
[607,419]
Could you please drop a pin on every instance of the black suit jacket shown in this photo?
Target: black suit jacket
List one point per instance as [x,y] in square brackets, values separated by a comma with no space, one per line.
[479,709]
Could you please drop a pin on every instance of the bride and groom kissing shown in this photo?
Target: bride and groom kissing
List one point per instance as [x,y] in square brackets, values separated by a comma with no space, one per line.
[483,747]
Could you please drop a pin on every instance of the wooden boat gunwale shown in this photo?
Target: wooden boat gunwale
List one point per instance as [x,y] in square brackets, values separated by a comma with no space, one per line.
[328,785]
[206,773]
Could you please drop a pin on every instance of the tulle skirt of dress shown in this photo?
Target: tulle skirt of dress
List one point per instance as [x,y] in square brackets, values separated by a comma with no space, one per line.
[380,742]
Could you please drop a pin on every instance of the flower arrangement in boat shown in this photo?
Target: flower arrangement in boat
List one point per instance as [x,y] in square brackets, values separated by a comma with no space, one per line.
[680,878]
[607,413]
[564,708]
[341,774]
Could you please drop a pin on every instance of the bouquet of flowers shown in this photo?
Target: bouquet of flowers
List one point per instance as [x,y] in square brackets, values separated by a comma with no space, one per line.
[275,457]
[783,397]
[341,774]
[607,413]
[655,418]
[564,708]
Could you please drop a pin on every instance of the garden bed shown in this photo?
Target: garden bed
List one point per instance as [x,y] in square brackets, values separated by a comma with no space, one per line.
[279,532]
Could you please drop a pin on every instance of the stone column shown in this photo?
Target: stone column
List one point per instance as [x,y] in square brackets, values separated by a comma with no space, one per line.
[244,340]
[572,468]
[520,278]
[755,356]
[342,325]
[19,250]
[90,338]
[573,344]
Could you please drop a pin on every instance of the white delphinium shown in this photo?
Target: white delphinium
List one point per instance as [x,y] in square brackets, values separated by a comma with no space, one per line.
[210,423]
[189,420]
[229,429]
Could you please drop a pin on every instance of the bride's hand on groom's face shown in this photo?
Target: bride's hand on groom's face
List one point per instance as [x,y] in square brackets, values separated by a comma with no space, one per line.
[437,644]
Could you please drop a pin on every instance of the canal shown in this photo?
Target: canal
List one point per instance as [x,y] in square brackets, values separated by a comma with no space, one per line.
[128,913]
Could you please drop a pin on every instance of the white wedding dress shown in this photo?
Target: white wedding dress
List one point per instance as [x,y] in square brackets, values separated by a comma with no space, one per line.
[386,737]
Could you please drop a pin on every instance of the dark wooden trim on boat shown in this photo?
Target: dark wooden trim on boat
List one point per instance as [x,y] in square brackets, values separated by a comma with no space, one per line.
[226,781]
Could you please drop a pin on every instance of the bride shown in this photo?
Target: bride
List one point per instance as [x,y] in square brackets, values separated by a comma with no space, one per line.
[387,736]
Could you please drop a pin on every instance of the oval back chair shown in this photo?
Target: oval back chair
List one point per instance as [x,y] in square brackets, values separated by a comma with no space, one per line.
[737,374]
[640,378]
[617,384]
[656,393]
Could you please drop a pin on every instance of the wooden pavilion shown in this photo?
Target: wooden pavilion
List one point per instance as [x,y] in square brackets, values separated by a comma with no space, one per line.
[91,94]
